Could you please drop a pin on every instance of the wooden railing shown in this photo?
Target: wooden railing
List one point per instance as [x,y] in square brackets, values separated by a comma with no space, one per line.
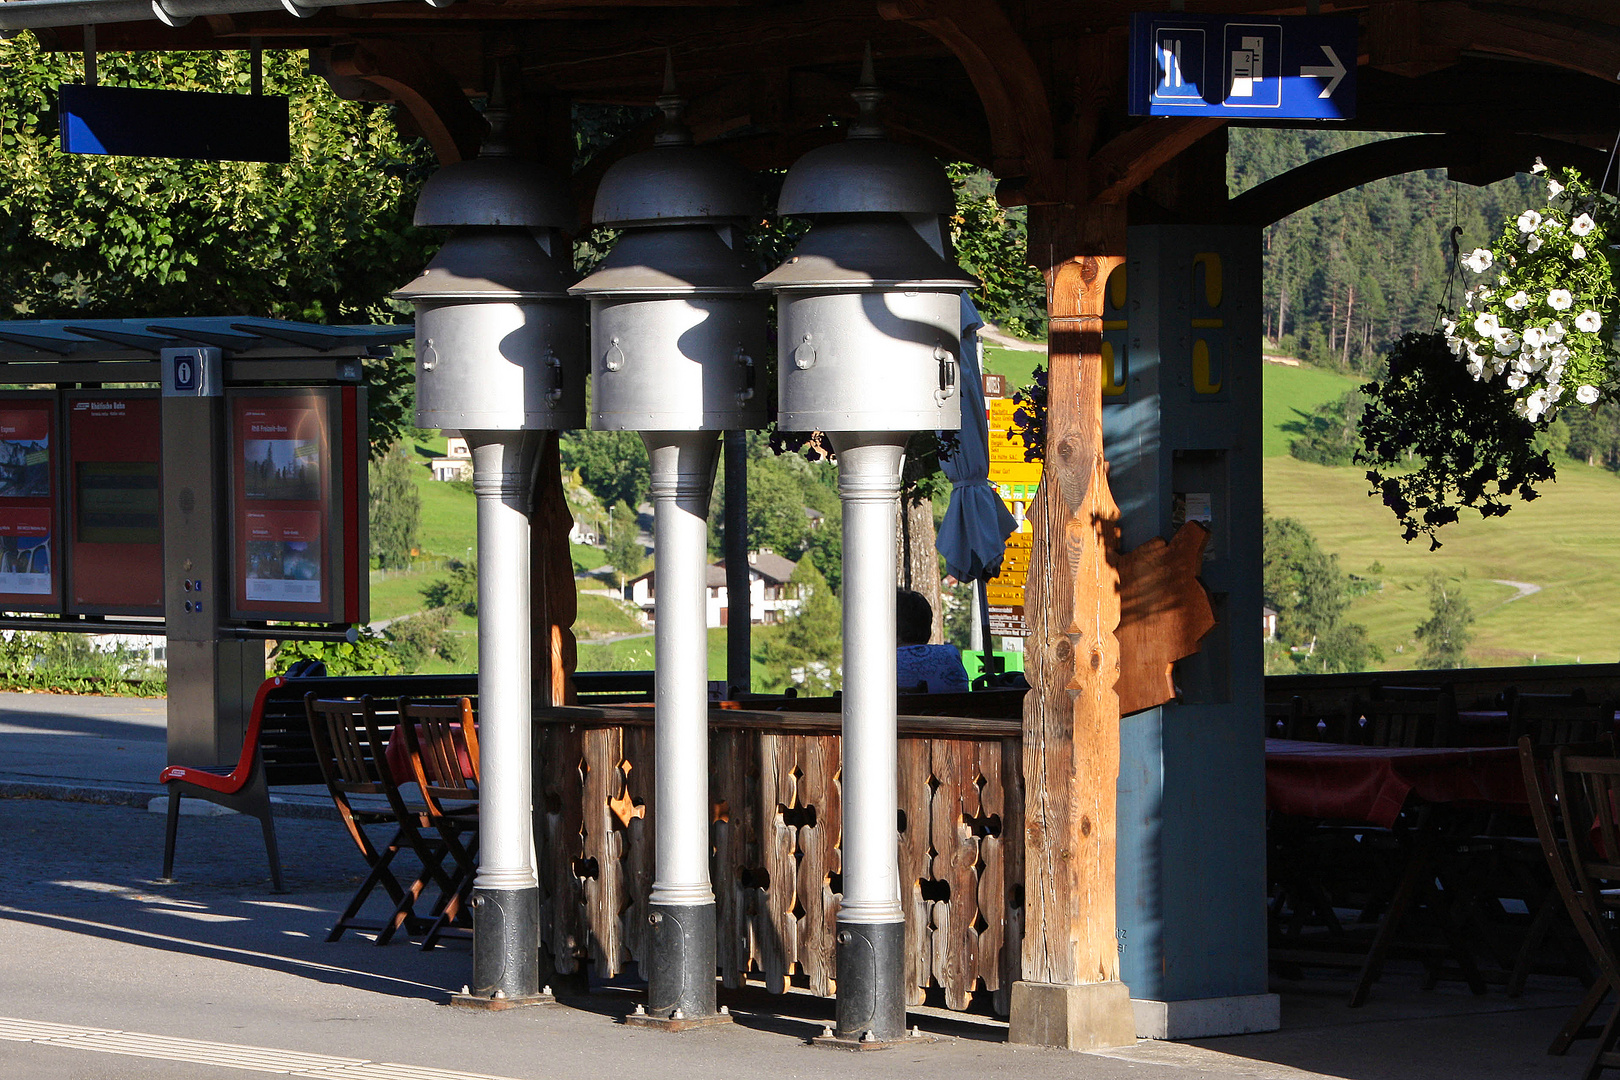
[773,782]
[1475,688]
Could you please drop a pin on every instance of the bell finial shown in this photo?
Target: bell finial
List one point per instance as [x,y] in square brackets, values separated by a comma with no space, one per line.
[496,116]
[867,95]
[674,131]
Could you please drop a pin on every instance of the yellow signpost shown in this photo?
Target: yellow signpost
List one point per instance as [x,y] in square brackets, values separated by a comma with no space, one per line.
[1015,480]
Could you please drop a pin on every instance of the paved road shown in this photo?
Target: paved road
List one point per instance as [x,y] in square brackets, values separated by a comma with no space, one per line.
[105,973]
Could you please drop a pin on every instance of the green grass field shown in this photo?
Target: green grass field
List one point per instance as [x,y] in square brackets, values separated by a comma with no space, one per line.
[1017,365]
[1567,542]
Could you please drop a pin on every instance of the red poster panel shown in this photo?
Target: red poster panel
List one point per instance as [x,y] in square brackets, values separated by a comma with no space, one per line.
[29,579]
[114,503]
[281,498]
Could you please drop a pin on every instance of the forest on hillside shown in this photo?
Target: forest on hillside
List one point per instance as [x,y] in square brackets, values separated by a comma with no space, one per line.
[1347,276]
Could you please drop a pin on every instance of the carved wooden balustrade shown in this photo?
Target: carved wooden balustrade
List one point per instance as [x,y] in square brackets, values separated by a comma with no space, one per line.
[774,784]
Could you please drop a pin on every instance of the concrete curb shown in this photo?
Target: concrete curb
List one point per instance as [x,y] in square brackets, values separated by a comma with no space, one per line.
[112,795]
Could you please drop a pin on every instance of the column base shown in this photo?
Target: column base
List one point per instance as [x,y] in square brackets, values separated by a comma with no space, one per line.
[680,963]
[469,1000]
[676,1021]
[1202,1017]
[1082,1016]
[871,970]
[914,1037]
[506,943]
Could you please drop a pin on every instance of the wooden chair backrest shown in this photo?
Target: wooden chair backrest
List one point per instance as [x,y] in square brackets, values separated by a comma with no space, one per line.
[434,734]
[1578,775]
[1555,719]
[350,745]
[1408,716]
[1587,781]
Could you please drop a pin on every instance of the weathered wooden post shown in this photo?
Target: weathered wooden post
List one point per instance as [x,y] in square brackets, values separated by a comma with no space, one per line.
[1071,994]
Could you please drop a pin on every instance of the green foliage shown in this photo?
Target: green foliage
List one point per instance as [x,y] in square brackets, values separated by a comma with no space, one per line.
[67,663]
[992,243]
[1594,435]
[805,649]
[457,592]
[959,601]
[1357,270]
[625,552]
[611,464]
[370,654]
[396,509]
[1329,435]
[1445,634]
[1438,440]
[323,238]
[420,638]
[776,517]
[1311,594]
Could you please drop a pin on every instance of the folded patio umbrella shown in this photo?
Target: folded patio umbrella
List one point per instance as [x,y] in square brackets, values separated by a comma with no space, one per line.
[973,536]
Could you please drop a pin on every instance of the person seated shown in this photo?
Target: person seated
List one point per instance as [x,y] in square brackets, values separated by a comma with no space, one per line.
[922,668]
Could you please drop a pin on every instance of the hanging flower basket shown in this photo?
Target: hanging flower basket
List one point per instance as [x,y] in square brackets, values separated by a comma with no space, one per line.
[1455,421]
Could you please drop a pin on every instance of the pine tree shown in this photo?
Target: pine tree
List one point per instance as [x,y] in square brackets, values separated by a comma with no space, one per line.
[806,648]
[625,552]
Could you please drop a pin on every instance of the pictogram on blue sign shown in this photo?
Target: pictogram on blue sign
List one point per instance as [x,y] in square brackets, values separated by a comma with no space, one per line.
[1266,68]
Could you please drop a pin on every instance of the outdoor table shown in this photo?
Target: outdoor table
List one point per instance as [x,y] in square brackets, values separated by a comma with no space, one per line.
[1371,784]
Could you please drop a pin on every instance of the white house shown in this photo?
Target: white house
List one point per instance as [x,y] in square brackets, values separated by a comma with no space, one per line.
[456,463]
[772,596]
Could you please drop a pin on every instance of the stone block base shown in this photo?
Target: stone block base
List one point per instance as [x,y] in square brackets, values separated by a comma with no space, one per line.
[1087,1016]
[1204,1017]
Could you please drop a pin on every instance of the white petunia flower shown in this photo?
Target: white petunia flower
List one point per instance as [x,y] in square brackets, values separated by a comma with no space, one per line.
[1559,299]
[1587,395]
[1554,188]
[1518,301]
[1507,342]
[1532,244]
[1535,404]
[1555,331]
[1529,221]
[1582,225]
[1559,355]
[1538,167]
[1579,252]
[1487,325]
[1589,321]
[1479,260]
[1518,381]
[1534,337]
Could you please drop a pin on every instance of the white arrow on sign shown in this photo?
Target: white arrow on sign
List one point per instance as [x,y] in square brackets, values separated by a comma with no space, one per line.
[1333,73]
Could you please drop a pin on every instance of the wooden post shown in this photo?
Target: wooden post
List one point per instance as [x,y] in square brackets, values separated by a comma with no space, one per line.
[553,602]
[1071,995]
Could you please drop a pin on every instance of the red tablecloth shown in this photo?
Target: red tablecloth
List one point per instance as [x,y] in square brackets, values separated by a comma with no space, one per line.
[399,755]
[1372,783]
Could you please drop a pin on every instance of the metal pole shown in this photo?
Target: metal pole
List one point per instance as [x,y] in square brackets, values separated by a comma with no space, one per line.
[506,889]
[739,595]
[871,924]
[681,961]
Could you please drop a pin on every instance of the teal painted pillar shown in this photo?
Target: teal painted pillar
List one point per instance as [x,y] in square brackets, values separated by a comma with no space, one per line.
[1181,424]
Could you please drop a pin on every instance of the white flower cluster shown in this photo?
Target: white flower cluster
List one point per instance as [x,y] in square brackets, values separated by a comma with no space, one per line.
[1543,339]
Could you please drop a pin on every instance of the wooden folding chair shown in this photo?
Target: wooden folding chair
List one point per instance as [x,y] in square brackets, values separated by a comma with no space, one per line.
[442,741]
[1556,719]
[1408,716]
[1580,838]
[351,748]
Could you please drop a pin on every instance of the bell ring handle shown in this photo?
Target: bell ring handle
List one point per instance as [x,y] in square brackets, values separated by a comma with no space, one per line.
[746,362]
[554,395]
[947,374]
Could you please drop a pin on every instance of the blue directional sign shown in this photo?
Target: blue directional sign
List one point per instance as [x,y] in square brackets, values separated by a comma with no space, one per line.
[138,122]
[1255,66]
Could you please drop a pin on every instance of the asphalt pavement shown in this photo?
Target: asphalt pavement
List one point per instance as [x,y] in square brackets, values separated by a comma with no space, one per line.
[107,972]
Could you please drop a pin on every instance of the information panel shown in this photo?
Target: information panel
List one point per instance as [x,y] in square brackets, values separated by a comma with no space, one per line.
[295,478]
[114,503]
[1016,481]
[29,580]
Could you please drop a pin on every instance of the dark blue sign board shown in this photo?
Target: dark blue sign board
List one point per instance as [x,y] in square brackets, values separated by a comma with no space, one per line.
[1254,66]
[134,122]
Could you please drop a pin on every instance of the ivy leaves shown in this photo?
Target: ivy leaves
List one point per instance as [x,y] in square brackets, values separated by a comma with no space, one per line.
[1438,440]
